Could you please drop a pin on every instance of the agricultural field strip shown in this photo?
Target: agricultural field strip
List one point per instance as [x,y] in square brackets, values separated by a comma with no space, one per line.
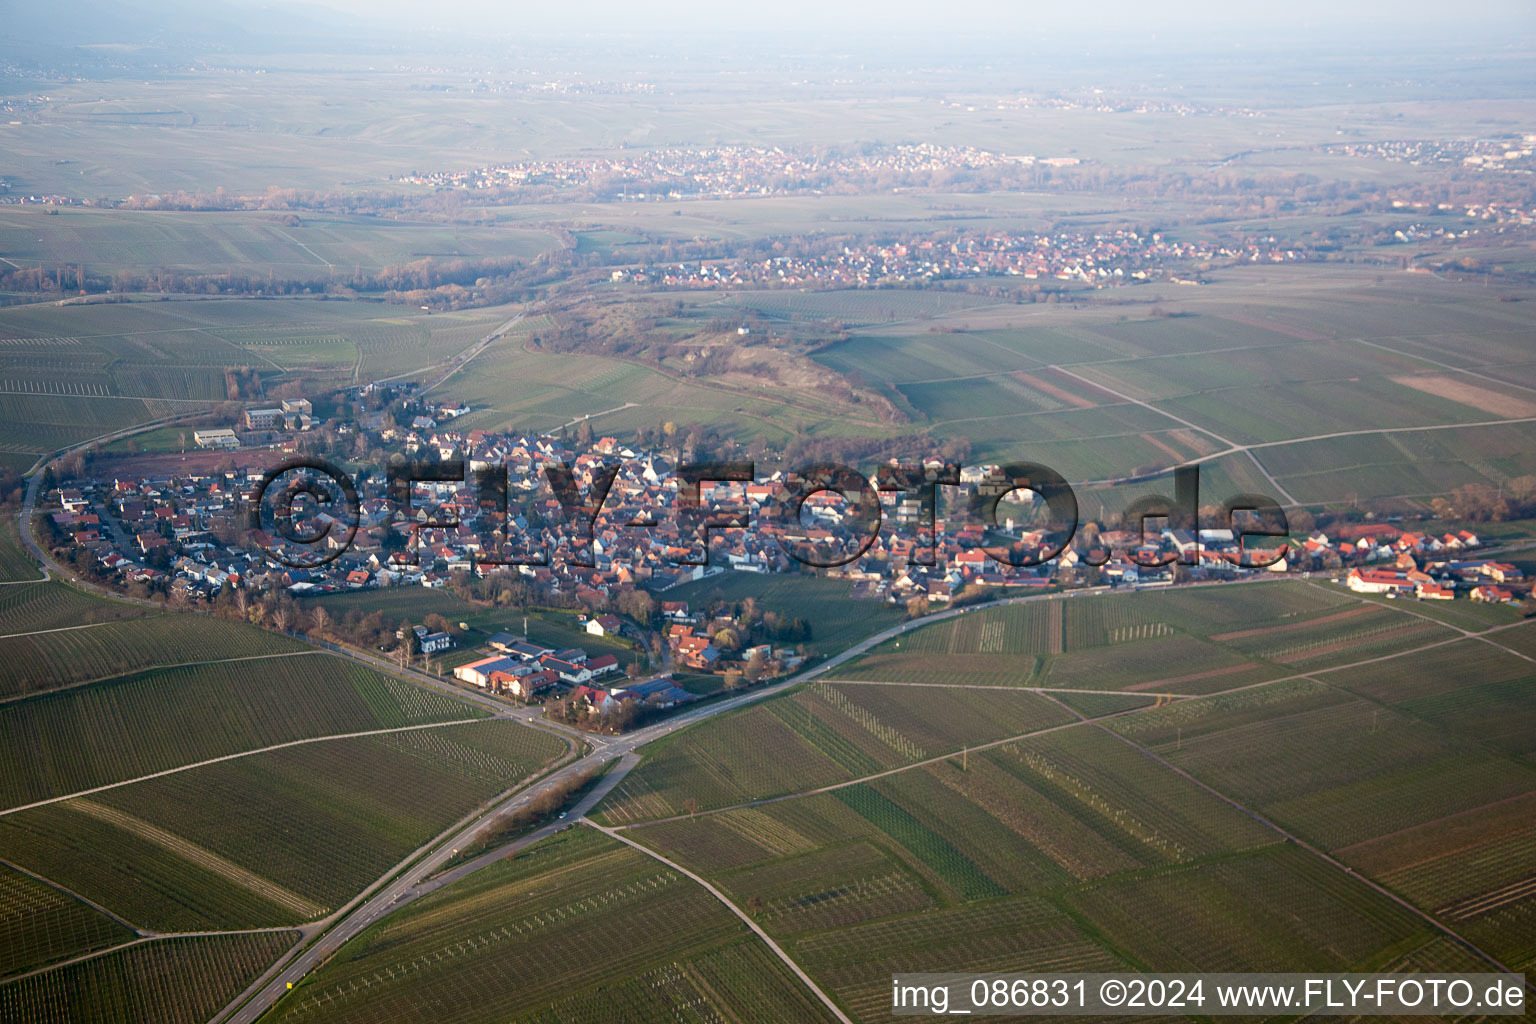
[203,858]
[467,355]
[305,932]
[149,668]
[58,629]
[50,883]
[1149,406]
[234,757]
[1193,426]
[745,918]
[737,392]
[347,921]
[1436,362]
[1051,729]
[145,937]
[1469,634]
[1316,851]
[1085,362]
[1238,449]
[1248,449]
[1044,690]
[126,398]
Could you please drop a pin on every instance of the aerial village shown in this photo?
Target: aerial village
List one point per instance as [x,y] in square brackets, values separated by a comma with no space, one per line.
[184,537]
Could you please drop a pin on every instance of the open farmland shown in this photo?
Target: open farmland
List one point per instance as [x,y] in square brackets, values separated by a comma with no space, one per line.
[1415,782]
[71,374]
[1022,859]
[15,564]
[34,608]
[64,657]
[319,248]
[1182,642]
[1231,364]
[278,837]
[1472,690]
[172,981]
[520,386]
[40,924]
[1336,769]
[856,307]
[816,736]
[577,929]
[1275,909]
[152,721]
[1471,869]
[1406,791]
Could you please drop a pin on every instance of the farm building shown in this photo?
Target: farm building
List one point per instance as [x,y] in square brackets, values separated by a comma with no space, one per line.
[478,673]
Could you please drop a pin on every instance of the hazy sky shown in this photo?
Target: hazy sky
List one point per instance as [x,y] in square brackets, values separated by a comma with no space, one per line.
[1256,19]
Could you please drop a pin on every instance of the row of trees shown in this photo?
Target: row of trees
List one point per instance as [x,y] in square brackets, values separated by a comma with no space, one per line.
[1484,503]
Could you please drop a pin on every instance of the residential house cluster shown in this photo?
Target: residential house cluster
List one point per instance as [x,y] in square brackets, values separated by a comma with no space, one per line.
[189,532]
[724,171]
[1101,258]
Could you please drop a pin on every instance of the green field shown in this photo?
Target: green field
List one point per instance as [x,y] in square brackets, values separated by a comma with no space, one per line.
[40,924]
[816,736]
[173,981]
[1184,641]
[29,608]
[517,386]
[1067,852]
[44,661]
[1235,363]
[70,374]
[577,929]
[276,838]
[322,248]
[1307,354]
[1075,848]
[151,721]
[15,563]
[1425,792]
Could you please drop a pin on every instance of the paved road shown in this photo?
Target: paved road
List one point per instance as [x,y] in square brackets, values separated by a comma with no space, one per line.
[420,879]
[463,359]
